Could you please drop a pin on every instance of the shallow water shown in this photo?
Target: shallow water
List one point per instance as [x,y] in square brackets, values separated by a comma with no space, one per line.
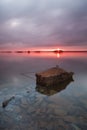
[36,110]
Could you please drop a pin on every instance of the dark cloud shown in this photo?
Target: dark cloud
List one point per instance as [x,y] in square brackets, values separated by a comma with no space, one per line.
[32,23]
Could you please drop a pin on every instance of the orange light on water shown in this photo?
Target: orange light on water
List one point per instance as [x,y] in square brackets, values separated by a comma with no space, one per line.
[58,55]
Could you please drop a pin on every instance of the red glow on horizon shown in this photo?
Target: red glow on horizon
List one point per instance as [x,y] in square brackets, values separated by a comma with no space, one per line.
[21,56]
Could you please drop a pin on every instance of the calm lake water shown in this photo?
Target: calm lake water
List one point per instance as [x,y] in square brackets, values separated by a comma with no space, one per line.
[35,108]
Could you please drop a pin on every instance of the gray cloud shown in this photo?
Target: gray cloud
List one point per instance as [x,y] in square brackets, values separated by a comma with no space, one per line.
[32,23]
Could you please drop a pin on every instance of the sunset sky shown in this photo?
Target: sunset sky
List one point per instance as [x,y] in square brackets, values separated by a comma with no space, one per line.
[26,24]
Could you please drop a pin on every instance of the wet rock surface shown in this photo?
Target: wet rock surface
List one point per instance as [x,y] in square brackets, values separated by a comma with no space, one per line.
[51,90]
[53,76]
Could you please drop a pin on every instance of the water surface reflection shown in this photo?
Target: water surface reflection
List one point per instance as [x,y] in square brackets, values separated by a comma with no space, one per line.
[53,89]
[32,110]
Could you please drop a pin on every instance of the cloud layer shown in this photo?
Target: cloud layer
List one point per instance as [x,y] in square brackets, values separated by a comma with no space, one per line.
[31,23]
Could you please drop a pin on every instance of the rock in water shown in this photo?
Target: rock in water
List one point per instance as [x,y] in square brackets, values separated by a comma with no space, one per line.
[5,103]
[53,76]
[51,90]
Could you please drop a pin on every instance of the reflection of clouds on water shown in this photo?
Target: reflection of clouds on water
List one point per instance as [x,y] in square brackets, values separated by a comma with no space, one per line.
[33,110]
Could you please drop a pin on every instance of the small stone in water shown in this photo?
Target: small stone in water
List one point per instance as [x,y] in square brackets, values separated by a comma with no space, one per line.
[5,103]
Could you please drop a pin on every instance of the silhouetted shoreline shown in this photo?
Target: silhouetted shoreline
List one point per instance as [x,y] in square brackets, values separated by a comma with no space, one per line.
[55,51]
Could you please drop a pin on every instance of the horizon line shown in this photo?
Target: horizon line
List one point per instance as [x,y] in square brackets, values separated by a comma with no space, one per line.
[39,51]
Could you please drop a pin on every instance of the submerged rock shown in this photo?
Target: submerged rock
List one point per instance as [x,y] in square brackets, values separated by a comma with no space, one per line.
[5,103]
[51,90]
[52,77]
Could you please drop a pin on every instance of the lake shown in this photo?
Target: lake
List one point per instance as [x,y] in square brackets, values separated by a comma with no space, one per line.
[34,108]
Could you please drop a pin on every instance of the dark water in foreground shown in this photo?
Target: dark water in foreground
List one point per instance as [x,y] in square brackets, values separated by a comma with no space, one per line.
[32,110]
